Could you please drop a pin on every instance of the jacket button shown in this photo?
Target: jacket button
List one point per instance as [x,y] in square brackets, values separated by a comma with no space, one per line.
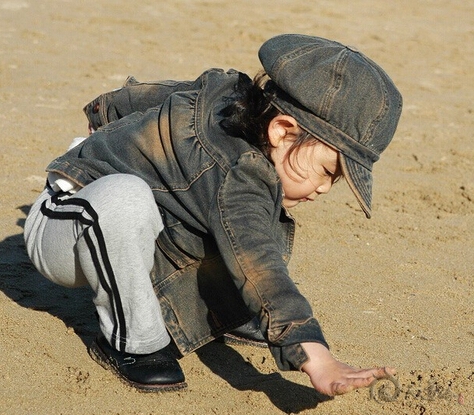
[95,108]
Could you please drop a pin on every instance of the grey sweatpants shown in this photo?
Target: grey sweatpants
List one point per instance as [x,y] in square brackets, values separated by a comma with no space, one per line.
[104,235]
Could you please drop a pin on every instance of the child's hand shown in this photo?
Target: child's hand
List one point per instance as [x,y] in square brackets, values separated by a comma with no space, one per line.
[331,377]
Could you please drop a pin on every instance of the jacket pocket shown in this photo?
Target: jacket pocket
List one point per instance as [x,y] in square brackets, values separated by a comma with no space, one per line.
[177,256]
[184,246]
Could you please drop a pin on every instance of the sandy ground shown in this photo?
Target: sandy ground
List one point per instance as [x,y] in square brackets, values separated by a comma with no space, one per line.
[396,290]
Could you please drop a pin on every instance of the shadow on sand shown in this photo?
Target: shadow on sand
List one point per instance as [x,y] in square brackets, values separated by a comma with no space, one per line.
[20,281]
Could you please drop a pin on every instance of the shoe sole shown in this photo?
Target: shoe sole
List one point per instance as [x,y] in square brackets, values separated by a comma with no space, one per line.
[96,353]
[241,341]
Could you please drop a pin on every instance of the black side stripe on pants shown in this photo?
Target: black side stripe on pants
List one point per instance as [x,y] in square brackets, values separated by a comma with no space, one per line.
[120,329]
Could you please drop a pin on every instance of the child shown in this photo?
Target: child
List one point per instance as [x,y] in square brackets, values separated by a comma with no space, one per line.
[174,210]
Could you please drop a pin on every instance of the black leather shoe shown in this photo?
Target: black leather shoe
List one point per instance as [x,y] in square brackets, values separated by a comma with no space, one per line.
[159,371]
[248,334]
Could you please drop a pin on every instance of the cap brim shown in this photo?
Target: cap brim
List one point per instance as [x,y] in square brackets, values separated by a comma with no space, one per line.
[359,180]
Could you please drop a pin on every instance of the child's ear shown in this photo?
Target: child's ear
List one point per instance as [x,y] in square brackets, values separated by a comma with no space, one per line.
[282,127]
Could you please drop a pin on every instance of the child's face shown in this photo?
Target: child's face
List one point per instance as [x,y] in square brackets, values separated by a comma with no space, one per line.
[307,172]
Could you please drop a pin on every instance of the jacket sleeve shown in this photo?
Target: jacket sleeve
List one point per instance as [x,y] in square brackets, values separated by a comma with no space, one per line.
[132,97]
[248,212]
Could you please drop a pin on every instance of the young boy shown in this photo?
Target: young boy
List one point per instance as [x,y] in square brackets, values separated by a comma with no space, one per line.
[174,210]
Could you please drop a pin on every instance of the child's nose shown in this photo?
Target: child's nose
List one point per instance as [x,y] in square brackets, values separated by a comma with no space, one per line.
[325,187]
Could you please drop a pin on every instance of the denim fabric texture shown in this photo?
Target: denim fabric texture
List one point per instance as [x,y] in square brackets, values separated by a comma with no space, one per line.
[338,95]
[222,257]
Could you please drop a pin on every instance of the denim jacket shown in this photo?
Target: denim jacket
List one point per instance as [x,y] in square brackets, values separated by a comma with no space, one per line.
[222,257]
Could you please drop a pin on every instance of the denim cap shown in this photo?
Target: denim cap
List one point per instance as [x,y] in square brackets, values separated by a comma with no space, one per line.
[339,96]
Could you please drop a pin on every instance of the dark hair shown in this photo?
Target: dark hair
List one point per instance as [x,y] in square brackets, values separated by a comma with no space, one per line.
[250,111]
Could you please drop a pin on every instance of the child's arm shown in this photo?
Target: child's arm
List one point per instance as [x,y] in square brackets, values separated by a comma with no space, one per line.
[331,377]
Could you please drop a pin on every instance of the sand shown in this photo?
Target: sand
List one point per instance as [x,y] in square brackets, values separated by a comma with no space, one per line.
[394,290]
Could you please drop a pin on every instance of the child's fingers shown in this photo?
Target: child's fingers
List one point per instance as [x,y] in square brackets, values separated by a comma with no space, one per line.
[360,379]
[383,372]
[351,383]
